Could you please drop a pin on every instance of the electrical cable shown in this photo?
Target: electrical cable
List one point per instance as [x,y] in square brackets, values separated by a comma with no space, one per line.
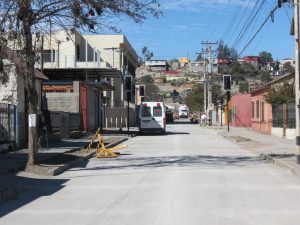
[231,23]
[265,21]
[220,20]
[287,15]
[248,25]
[238,25]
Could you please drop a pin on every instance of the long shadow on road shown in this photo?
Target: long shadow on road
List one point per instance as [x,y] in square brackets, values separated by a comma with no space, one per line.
[27,190]
[179,161]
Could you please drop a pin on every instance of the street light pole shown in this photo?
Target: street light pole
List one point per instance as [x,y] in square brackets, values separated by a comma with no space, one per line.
[297,78]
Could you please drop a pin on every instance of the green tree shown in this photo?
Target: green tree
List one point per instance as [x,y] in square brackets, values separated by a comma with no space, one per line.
[265,57]
[236,71]
[248,69]
[289,67]
[216,92]
[225,52]
[200,57]
[194,99]
[281,94]
[147,79]
[147,54]
[265,76]
[152,92]
[243,87]
[20,20]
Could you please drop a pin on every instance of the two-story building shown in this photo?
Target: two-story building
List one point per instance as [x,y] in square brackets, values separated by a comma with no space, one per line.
[99,63]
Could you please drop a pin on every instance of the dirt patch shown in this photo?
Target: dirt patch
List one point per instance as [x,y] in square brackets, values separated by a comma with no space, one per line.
[239,139]
[246,143]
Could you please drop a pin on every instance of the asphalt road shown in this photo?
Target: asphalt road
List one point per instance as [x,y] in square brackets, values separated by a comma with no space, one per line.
[191,176]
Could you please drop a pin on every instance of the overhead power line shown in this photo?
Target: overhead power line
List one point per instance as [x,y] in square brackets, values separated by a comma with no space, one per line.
[265,21]
[230,25]
[248,23]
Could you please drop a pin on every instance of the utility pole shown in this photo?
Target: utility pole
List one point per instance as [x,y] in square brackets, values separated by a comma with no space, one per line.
[204,82]
[297,78]
[209,51]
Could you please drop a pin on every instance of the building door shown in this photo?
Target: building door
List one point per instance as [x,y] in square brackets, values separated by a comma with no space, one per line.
[83,107]
[97,110]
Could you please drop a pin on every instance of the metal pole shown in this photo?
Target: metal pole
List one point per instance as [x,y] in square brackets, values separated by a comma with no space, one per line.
[204,94]
[227,117]
[221,115]
[228,99]
[128,112]
[297,78]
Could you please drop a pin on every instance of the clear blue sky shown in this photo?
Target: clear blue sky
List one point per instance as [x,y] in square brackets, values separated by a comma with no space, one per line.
[185,23]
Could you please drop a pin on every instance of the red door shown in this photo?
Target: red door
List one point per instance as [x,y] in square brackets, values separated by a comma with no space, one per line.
[83,106]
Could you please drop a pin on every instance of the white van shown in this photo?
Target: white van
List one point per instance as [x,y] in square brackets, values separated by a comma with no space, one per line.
[183,111]
[152,117]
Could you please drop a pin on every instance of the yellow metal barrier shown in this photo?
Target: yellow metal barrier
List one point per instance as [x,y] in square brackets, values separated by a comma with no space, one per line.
[92,141]
[103,151]
[107,152]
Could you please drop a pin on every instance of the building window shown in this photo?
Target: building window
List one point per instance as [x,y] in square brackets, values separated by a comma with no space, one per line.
[262,111]
[252,109]
[49,55]
[78,52]
[257,108]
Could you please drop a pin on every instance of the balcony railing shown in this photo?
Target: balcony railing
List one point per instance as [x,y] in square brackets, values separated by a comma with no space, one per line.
[70,62]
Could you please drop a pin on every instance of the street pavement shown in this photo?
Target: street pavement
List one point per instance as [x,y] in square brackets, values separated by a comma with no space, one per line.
[191,175]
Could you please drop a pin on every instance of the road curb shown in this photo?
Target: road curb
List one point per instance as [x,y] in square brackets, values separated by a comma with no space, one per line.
[280,163]
[73,163]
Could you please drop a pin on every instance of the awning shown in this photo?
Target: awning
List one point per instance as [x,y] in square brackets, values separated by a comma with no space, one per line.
[103,85]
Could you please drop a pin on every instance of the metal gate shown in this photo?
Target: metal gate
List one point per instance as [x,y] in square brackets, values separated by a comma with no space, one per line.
[7,123]
[278,116]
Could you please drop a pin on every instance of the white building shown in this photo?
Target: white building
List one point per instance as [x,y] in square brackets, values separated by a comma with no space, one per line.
[92,58]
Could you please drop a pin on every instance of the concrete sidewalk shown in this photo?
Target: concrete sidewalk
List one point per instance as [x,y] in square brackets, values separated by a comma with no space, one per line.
[278,150]
[12,163]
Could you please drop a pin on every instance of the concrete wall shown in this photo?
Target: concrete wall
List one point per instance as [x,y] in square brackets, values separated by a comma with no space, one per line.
[257,123]
[101,42]
[241,113]
[290,133]
[117,117]
[104,42]
[64,101]
[91,109]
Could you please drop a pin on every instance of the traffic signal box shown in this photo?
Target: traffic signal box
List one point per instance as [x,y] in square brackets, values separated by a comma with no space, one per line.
[128,83]
[142,91]
[227,82]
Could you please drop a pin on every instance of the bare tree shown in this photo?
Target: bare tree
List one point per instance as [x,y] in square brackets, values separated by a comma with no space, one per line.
[24,21]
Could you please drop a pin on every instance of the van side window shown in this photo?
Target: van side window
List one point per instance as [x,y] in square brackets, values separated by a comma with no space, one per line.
[157,111]
[146,111]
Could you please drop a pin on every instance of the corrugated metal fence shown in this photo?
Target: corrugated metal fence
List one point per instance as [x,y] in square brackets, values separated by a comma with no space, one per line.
[65,122]
[7,123]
